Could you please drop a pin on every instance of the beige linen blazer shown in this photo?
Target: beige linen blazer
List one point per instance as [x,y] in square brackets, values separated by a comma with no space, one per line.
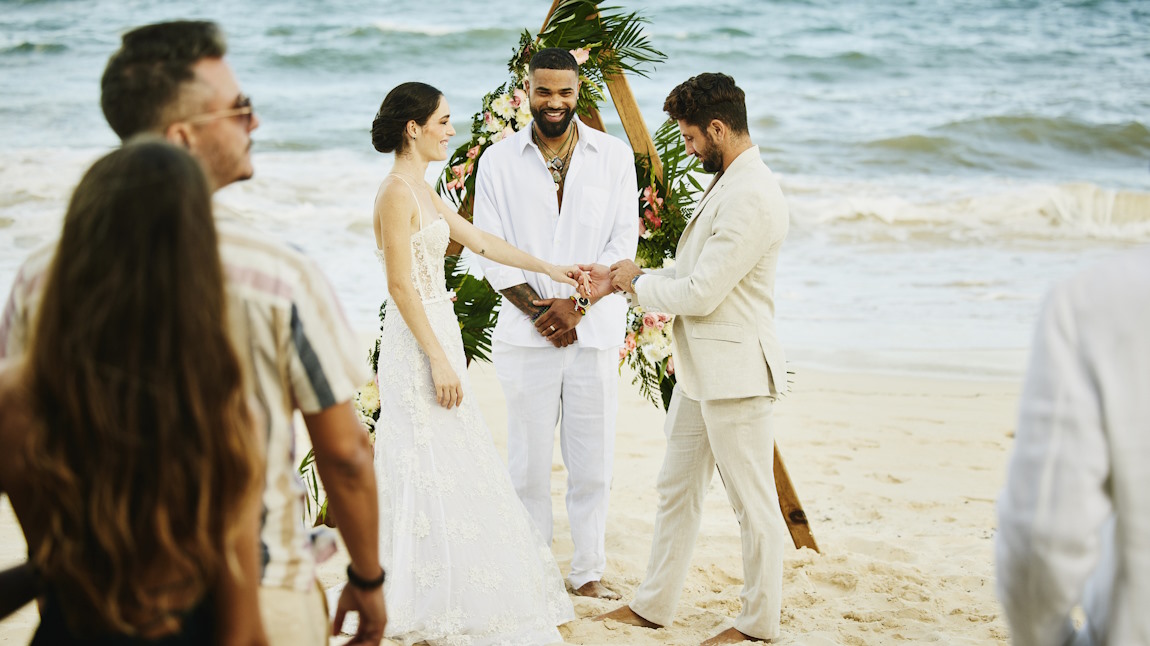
[721,288]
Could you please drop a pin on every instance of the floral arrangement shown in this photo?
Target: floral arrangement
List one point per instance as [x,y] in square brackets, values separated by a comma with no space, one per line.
[647,350]
[666,203]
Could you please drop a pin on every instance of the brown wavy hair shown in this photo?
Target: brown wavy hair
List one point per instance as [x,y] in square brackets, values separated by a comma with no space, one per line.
[147,453]
[708,96]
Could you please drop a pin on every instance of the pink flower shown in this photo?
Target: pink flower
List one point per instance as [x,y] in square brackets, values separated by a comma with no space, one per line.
[507,132]
[652,200]
[659,325]
[473,153]
[629,342]
[623,353]
[457,170]
[581,55]
[663,318]
[671,366]
[518,98]
[642,226]
[649,320]
[454,185]
[656,221]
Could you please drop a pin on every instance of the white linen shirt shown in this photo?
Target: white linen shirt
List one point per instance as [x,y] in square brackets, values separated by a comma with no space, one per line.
[599,223]
[1074,518]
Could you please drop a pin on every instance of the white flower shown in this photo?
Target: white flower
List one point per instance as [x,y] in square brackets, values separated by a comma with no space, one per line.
[369,397]
[494,124]
[668,263]
[502,107]
[497,137]
[481,140]
[523,116]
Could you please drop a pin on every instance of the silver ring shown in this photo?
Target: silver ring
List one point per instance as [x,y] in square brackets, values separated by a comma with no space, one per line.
[552,328]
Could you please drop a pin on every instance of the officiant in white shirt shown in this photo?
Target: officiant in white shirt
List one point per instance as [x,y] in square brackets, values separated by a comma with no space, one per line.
[567,193]
[1074,517]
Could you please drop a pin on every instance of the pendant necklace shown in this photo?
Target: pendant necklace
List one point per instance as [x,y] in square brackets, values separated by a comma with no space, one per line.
[558,164]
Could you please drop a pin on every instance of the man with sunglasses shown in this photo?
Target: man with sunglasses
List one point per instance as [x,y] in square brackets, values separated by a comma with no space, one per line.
[299,353]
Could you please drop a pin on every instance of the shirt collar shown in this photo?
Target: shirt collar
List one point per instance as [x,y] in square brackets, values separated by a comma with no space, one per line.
[744,158]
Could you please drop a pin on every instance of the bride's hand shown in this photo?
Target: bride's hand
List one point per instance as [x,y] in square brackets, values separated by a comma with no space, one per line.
[566,274]
[448,387]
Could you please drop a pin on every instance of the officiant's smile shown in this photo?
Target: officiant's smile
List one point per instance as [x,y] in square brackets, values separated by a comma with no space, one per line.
[552,95]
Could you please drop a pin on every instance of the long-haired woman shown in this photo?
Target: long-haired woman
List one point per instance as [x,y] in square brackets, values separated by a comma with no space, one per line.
[126,445]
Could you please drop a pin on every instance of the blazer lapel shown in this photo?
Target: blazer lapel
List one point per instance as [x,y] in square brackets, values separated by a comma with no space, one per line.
[714,187]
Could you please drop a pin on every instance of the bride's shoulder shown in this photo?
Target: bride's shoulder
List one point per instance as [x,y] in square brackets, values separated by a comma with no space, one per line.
[393,193]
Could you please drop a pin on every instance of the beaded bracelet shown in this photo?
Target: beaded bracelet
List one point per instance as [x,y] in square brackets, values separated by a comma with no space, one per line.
[581,304]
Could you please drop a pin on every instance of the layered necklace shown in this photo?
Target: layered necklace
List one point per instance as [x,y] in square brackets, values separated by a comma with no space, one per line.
[557,163]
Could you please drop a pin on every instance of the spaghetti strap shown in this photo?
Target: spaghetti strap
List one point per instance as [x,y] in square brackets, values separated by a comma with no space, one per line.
[413,194]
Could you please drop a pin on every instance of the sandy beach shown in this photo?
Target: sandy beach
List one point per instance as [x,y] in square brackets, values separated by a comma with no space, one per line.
[897,475]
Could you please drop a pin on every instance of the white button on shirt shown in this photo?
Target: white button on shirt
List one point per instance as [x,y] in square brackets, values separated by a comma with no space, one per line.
[515,199]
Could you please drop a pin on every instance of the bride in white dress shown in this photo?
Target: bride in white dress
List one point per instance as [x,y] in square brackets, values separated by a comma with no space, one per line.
[465,564]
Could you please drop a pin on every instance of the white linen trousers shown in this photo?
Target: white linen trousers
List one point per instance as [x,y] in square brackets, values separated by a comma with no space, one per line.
[577,388]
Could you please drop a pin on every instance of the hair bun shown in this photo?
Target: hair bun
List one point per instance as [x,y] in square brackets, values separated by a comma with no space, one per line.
[406,102]
[386,135]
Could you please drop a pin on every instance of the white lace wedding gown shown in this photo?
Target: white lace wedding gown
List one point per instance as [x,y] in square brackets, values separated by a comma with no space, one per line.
[465,564]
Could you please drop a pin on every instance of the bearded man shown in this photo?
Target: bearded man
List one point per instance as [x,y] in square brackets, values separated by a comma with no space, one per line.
[566,193]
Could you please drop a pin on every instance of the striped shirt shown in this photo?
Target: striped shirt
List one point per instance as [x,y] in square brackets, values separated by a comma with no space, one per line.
[298,352]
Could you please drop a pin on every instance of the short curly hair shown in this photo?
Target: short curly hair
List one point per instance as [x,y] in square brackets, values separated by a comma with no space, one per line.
[708,96]
[553,58]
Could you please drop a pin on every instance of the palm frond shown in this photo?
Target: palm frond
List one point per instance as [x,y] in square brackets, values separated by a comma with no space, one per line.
[476,307]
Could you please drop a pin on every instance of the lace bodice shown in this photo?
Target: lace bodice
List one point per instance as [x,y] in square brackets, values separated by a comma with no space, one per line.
[427,248]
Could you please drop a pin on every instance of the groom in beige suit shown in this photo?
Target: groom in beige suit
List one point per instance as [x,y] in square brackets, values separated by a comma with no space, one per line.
[728,362]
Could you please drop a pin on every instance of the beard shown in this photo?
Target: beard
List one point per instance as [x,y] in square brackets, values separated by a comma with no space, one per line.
[712,157]
[548,129]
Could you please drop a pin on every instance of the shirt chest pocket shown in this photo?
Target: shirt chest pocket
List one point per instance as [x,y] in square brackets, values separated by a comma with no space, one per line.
[593,205]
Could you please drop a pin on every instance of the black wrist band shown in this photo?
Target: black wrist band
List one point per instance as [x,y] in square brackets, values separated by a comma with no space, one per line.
[365,584]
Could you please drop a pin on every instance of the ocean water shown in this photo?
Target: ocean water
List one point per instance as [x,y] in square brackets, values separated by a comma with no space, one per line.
[945,161]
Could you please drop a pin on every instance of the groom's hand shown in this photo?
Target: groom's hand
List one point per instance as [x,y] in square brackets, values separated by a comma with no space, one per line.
[600,280]
[622,273]
[559,319]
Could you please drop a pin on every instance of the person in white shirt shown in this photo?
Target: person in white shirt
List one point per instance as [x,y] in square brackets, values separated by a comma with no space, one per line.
[565,193]
[1074,516]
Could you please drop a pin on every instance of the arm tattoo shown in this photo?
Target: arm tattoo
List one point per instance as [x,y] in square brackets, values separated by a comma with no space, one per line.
[521,296]
[483,252]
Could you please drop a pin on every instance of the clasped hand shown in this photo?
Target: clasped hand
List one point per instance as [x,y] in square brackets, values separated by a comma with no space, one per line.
[557,322]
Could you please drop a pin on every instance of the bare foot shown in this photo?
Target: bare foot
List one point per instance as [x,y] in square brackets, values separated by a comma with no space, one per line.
[730,636]
[624,614]
[597,590]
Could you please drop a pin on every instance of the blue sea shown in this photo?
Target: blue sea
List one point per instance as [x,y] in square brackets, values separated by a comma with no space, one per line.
[945,161]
